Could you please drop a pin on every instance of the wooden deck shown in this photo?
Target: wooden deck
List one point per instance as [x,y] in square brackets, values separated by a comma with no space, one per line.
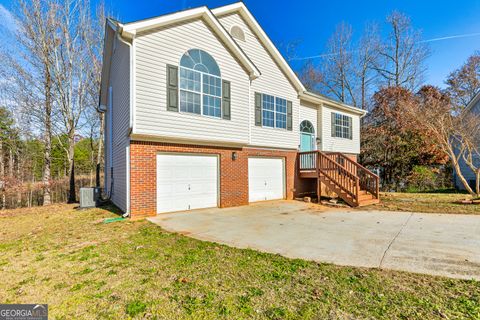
[353,183]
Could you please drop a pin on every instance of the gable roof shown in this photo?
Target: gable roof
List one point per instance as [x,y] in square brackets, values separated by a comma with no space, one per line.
[241,9]
[130,30]
[303,93]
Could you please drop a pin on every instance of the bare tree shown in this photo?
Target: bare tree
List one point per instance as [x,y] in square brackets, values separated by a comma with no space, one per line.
[337,66]
[403,54]
[29,69]
[76,66]
[310,76]
[464,83]
[94,33]
[366,58]
[455,134]
[469,135]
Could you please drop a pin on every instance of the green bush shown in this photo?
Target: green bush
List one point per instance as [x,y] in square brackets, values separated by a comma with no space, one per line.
[421,179]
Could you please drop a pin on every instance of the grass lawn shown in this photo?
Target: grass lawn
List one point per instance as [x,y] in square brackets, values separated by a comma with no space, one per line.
[86,269]
[425,202]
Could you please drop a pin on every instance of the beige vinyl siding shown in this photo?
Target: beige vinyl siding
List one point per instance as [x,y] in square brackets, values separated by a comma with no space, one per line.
[120,83]
[272,81]
[309,111]
[162,46]
[333,144]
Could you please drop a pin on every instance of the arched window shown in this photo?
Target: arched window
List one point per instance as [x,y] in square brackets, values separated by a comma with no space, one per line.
[237,33]
[306,127]
[200,84]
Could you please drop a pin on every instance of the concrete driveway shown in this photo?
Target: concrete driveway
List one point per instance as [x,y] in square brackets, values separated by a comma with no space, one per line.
[437,244]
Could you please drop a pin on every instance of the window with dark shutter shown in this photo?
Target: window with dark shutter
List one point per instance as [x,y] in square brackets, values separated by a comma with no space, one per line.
[226,100]
[172,88]
[258,109]
[289,115]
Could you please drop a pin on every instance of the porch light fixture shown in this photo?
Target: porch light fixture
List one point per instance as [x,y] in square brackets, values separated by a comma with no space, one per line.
[234,156]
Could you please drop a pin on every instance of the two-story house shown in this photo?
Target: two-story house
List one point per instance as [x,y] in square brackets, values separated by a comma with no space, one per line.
[203,111]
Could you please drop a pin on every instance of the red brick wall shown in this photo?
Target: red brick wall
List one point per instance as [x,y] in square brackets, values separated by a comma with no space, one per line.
[233,174]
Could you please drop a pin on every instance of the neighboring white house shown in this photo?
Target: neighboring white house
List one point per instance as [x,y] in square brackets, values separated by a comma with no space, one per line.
[473,108]
[203,110]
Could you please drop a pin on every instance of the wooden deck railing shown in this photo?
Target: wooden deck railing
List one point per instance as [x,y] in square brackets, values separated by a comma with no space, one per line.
[350,176]
[369,181]
[345,180]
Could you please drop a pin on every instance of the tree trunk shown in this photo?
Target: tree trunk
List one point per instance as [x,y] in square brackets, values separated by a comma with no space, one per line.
[47,195]
[72,198]
[2,175]
[458,171]
[477,182]
[10,163]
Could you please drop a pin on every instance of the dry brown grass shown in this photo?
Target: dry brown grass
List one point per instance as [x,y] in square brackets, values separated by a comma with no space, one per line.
[425,202]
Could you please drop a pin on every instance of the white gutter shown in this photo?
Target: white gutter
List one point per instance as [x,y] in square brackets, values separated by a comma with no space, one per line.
[314,98]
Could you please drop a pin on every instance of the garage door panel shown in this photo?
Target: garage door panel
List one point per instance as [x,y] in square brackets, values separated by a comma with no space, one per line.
[186,182]
[265,179]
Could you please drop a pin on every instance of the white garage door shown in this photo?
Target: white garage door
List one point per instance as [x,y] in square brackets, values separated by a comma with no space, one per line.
[265,179]
[186,182]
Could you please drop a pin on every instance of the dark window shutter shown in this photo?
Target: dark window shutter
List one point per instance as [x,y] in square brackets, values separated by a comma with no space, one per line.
[289,115]
[333,124]
[350,129]
[258,109]
[226,99]
[172,88]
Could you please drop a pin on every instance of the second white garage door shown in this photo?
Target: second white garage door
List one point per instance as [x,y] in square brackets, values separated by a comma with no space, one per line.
[265,179]
[186,182]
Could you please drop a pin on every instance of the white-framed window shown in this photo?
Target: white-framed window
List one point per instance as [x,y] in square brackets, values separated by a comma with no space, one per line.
[280,113]
[274,112]
[200,84]
[341,126]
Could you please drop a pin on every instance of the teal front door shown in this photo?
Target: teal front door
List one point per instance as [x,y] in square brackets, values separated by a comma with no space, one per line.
[306,142]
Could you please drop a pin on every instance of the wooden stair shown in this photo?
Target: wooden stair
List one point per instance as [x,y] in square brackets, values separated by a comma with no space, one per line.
[353,183]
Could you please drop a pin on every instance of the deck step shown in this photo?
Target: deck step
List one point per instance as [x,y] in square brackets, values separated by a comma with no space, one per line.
[340,175]
[368,202]
[364,197]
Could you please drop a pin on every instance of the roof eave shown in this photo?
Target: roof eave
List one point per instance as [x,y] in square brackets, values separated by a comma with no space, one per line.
[473,102]
[129,30]
[314,98]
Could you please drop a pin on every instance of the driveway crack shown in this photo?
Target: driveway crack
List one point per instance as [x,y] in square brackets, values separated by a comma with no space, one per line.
[393,240]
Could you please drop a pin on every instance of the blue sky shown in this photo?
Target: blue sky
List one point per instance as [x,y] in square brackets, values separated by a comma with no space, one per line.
[312,22]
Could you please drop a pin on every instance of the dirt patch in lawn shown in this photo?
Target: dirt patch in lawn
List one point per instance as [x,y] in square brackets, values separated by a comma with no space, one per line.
[86,269]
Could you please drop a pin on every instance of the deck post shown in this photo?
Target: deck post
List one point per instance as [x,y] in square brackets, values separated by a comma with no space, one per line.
[319,183]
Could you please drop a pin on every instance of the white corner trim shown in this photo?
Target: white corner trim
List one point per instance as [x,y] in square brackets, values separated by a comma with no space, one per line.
[133,89]
[127,152]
